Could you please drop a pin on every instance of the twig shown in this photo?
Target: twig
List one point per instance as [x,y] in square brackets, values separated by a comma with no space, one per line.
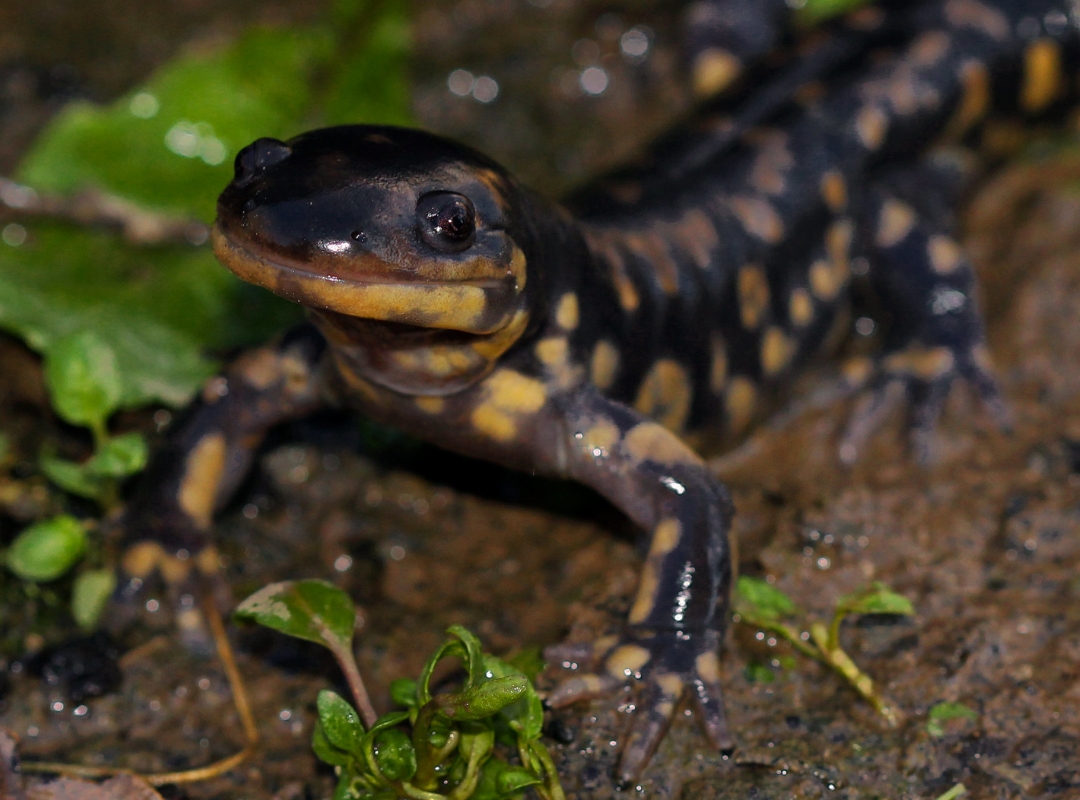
[139,225]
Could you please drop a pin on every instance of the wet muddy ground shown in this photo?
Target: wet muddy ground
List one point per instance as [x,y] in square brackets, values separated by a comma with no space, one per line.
[985,541]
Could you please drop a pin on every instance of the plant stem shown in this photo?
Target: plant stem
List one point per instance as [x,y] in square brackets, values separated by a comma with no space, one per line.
[347,662]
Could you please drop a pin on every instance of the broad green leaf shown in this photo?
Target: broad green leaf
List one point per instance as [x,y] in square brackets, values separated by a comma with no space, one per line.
[325,751]
[878,599]
[757,599]
[83,379]
[72,477]
[395,754]
[48,549]
[314,610]
[120,456]
[370,82]
[340,722]
[158,310]
[89,595]
[169,143]
[482,701]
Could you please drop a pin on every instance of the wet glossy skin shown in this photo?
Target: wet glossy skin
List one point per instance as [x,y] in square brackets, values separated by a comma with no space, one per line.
[454,303]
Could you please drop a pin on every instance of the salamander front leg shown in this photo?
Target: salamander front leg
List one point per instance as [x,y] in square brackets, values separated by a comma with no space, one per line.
[679,614]
[167,523]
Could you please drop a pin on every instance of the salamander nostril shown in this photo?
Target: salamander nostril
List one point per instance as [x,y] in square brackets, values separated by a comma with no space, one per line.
[259,155]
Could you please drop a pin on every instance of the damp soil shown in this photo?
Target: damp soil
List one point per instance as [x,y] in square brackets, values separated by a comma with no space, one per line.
[985,540]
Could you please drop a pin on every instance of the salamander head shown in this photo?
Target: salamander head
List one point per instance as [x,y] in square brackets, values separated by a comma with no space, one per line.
[376,223]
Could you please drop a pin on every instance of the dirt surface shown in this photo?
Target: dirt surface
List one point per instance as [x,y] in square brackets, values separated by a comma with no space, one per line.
[985,541]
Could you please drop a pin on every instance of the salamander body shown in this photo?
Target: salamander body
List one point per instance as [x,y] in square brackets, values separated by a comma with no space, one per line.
[582,339]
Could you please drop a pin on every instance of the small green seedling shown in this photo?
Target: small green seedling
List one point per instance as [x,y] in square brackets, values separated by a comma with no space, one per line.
[85,387]
[814,12]
[944,713]
[46,550]
[438,747]
[760,605]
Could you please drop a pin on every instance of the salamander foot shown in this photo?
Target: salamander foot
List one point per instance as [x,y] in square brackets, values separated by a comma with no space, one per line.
[667,667]
[921,378]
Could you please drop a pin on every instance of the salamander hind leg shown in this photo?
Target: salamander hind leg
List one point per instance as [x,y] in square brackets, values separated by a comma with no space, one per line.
[668,649]
[926,283]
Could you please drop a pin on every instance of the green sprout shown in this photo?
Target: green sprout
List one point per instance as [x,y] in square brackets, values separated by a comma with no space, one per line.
[437,747]
[943,713]
[760,605]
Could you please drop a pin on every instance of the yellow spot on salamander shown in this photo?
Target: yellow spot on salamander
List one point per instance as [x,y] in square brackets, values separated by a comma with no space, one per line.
[871,125]
[202,474]
[896,221]
[665,394]
[777,349]
[979,16]
[926,363]
[430,405]
[834,190]
[707,666]
[671,685]
[552,351]
[626,660]
[1043,77]
[600,437]
[646,595]
[566,313]
[945,254]
[974,100]
[714,70]
[740,400]
[801,307]
[753,290]
[649,441]
[824,282]
[758,217]
[718,367]
[604,365]
[665,538]
[508,396]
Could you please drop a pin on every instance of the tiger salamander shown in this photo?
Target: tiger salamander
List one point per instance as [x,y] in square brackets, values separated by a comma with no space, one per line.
[581,339]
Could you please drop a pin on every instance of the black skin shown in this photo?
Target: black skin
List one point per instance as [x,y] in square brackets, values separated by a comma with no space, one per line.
[449,300]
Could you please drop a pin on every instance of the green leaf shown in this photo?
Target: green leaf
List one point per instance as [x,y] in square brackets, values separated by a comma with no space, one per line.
[340,722]
[482,701]
[83,379]
[878,599]
[48,549]
[514,780]
[72,477]
[759,673]
[814,12]
[946,712]
[158,310]
[120,456]
[403,692]
[89,595]
[325,751]
[169,143]
[474,654]
[526,715]
[757,599]
[313,610]
[395,754]
[370,82]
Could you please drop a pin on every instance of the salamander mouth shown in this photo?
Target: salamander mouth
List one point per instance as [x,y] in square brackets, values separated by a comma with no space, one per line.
[477,306]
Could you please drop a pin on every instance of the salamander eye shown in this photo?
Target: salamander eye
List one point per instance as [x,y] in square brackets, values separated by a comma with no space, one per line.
[447,221]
